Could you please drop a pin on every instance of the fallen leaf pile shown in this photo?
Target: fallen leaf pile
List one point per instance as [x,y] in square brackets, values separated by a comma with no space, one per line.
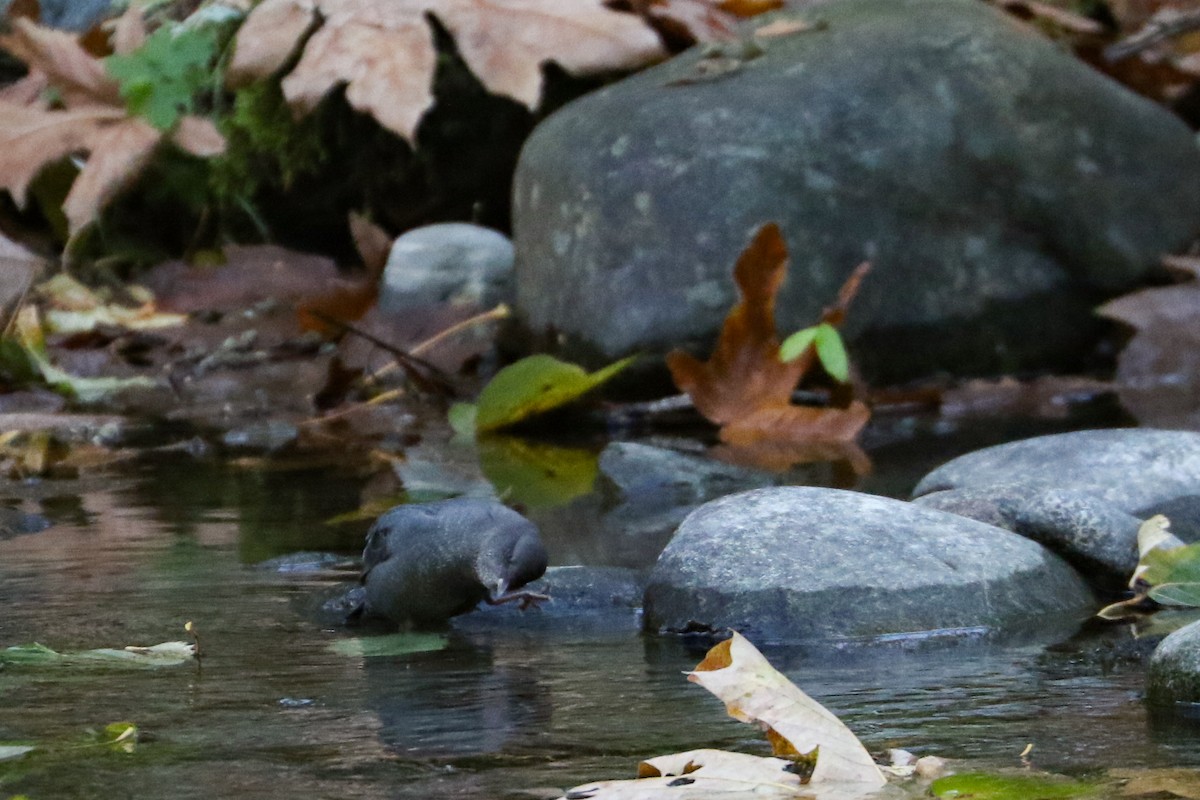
[90,116]
[744,386]
[816,756]
[383,50]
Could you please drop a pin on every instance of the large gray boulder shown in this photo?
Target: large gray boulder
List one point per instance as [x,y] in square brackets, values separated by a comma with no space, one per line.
[1138,471]
[797,563]
[999,186]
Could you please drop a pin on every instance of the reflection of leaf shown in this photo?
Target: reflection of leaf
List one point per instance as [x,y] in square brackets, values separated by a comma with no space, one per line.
[754,691]
[160,655]
[395,644]
[533,386]
[383,50]
[534,474]
[982,786]
[744,386]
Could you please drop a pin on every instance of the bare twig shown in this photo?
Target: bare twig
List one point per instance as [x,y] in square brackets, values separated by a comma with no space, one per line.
[425,375]
[1166,24]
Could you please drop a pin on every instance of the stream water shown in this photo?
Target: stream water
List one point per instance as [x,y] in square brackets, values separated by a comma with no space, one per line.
[501,711]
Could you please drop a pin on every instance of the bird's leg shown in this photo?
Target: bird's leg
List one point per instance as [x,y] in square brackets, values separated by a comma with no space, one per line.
[524,599]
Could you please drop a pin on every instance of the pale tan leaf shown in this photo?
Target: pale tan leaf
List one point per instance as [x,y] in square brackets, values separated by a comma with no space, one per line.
[505,42]
[754,691]
[30,138]
[783,27]
[198,136]
[388,72]
[129,30]
[383,50]
[79,77]
[118,153]
[710,774]
[27,91]
[268,37]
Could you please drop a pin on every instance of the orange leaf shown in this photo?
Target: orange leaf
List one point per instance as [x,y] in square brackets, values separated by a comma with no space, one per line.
[744,372]
[744,387]
[749,8]
[797,424]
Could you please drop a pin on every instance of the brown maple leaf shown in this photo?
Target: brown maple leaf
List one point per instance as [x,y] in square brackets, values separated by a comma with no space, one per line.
[92,119]
[383,50]
[744,387]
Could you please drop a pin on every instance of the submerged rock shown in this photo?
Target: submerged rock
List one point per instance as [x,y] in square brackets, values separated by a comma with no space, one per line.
[426,563]
[797,563]
[990,177]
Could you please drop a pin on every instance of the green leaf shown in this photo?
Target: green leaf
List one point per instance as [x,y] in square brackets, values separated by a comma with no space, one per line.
[160,79]
[535,474]
[395,644]
[1176,594]
[1178,565]
[832,352]
[160,655]
[981,786]
[121,737]
[462,418]
[794,346]
[533,386]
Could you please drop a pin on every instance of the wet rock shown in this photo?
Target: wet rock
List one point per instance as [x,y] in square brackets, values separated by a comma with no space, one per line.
[15,523]
[271,436]
[1137,471]
[1174,675]
[426,563]
[583,598]
[657,487]
[303,562]
[1098,539]
[803,563]
[452,262]
[987,175]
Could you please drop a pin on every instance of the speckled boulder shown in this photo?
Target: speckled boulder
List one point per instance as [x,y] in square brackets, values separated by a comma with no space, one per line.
[1175,668]
[1098,539]
[999,185]
[1138,471]
[803,563]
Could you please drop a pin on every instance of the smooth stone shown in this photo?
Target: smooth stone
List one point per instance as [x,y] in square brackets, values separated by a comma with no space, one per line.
[804,563]
[1096,538]
[272,436]
[1174,673]
[1138,471]
[452,262]
[985,173]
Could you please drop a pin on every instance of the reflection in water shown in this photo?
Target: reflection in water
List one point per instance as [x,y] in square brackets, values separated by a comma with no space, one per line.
[455,702]
[515,701]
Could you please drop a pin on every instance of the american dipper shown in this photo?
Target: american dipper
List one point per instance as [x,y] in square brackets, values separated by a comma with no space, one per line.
[426,563]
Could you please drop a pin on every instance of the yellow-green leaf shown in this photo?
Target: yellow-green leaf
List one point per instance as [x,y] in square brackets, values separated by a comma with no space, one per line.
[533,386]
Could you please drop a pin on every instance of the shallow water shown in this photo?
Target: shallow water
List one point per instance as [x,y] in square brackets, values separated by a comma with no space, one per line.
[502,710]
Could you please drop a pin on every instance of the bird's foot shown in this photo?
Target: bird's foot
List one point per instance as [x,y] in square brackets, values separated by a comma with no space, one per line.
[523,599]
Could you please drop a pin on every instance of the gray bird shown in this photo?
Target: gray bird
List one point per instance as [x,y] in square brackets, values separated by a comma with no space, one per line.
[426,563]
